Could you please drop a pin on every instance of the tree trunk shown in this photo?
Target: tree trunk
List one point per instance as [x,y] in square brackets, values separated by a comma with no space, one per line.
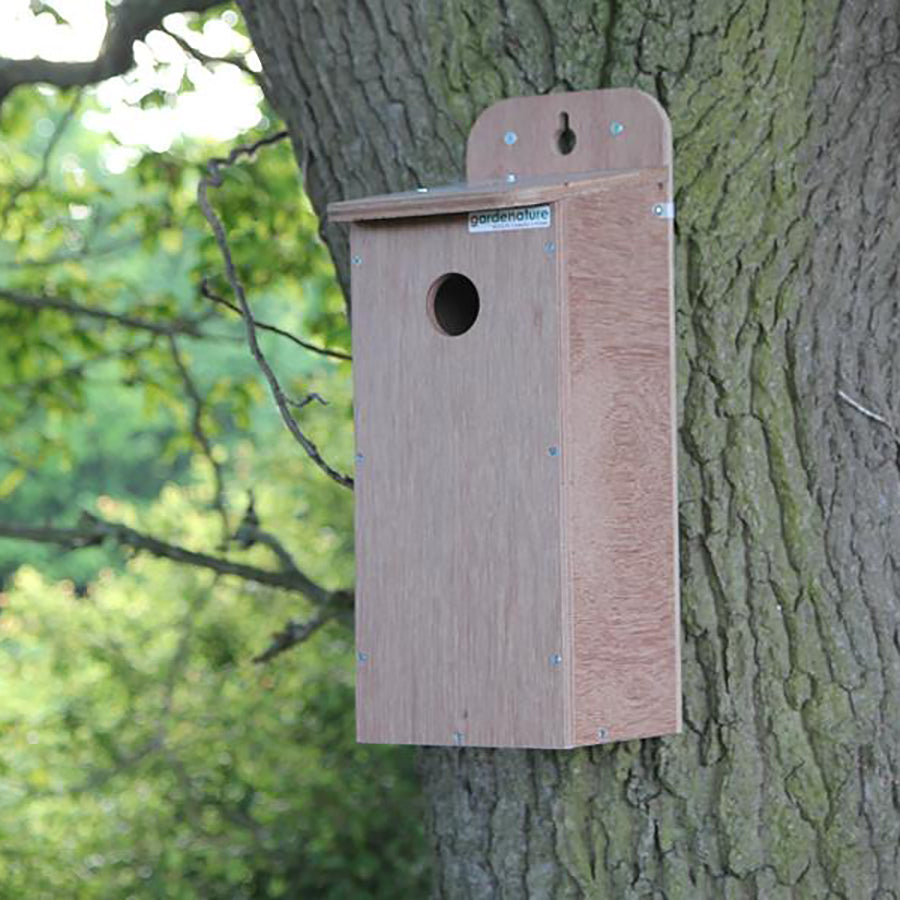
[786,117]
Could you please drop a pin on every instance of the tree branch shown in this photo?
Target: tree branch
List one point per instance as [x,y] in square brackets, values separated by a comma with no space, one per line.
[207,292]
[255,535]
[130,22]
[309,398]
[200,56]
[29,301]
[295,633]
[250,532]
[92,531]
[292,634]
[213,178]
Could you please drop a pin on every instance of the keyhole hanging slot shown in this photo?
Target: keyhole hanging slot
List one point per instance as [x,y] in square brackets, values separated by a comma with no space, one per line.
[565,137]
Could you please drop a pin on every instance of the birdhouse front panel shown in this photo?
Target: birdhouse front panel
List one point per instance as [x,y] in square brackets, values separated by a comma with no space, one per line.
[460,624]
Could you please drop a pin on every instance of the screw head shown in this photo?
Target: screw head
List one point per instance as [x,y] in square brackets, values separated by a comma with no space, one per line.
[553,451]
[549,247]
[664,210]
[359,457]
[458,738]
[616,128]
[356,260]
[510,138]
[362,657]
[511,179]
[602,734]
[556,659]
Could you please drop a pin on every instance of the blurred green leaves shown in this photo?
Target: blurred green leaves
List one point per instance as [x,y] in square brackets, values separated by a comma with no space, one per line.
[142,754]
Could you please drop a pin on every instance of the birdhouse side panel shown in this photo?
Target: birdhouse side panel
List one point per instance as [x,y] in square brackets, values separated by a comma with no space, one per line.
[459,620]
[621,509]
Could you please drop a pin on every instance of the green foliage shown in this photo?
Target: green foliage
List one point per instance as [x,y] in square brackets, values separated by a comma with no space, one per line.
[113,449]
[143,754]
[63,375]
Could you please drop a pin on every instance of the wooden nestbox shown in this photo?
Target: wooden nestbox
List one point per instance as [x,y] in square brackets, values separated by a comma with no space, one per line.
[516,539]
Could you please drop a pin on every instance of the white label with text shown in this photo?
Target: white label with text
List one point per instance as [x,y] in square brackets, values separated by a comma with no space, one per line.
[509,219]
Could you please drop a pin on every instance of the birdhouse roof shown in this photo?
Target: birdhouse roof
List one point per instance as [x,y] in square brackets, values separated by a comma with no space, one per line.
[470,197]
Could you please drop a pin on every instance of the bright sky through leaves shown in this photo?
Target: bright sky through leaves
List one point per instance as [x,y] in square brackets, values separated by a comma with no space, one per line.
[217,105]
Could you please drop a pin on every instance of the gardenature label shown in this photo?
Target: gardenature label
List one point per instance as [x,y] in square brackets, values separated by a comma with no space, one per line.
[509,219]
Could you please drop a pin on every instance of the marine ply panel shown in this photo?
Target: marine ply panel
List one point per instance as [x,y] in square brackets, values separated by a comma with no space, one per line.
[622,536]
[458,491]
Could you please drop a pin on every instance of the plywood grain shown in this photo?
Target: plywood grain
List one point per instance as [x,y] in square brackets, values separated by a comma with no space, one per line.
[644,141]
[619,412]
[458,521]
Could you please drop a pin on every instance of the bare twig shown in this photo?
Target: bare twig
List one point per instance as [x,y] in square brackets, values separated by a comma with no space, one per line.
[200,435]
[92,531]
[207,60]
[186,327]
[130,22]
[213,178]
[309,398]
[272,542]
[869,414]
[256,535]
[44,167]
[250,532]
[294,633]
[207,292]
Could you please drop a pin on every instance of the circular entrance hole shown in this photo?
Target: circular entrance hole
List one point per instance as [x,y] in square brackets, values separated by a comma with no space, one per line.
[453,304]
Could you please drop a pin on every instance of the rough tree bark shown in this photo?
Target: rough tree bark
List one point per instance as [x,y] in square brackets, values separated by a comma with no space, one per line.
[786,118]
